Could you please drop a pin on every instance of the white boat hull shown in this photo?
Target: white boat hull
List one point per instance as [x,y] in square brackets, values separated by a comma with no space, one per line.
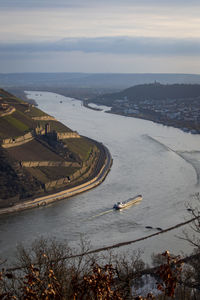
[127,203]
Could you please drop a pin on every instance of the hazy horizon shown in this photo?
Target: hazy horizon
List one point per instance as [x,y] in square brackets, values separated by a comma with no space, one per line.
[99,73]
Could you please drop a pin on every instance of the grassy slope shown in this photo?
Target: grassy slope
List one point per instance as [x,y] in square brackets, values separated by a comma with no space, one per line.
[33,151]
[46,174]
[81,147]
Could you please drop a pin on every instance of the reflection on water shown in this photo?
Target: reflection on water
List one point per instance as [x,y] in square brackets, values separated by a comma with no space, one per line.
[157,161]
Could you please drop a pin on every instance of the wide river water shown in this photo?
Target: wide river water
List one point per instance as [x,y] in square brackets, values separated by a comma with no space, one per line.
[161,163]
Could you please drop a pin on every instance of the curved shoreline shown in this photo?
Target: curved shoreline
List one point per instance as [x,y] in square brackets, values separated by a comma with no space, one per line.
[165,122]
[45,200]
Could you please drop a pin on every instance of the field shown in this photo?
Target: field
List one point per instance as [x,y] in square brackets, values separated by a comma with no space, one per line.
[57,126]
[12,127]
[33,151]
[35,112]
[81,147]
[46,174]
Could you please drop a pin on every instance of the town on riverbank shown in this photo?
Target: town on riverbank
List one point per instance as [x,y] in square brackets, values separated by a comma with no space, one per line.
[169,99]
[174,105]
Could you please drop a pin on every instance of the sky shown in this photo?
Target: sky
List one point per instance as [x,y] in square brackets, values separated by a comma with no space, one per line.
[100,36]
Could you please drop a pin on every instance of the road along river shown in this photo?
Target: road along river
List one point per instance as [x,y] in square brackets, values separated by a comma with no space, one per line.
[159,162]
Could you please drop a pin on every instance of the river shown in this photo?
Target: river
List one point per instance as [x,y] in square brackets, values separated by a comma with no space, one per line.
[161,163]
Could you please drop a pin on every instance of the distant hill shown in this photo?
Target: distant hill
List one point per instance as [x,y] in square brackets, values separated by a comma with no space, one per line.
[38,154]
[86,86]
[154,91]
[88,80]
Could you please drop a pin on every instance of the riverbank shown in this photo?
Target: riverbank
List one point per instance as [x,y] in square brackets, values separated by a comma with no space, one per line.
[86,104]
[184,126]
[97,179]
[190,128]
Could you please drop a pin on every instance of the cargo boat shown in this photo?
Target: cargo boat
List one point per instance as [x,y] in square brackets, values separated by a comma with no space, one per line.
[127,203]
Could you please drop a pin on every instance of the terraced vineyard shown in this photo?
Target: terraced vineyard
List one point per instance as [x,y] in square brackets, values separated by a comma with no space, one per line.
[38,154]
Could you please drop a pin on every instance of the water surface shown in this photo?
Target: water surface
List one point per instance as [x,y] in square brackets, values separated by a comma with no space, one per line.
[161,163]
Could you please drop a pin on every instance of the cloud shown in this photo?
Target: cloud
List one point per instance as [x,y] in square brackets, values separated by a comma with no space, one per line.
[113,34]
[38,3]
[34,20]
[49,3]
[110,45]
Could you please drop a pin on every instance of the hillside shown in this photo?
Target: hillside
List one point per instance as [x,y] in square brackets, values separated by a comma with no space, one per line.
[86,85]
[153,91]
[91,80]
[38,154]
[175,105]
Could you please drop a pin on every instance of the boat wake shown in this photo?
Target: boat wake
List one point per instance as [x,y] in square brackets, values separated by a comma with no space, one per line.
[158,143]
[100,214]
[187,156]
[195,163]
[134,201]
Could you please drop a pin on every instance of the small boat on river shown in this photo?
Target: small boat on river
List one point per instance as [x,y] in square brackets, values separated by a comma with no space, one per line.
[127,203]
